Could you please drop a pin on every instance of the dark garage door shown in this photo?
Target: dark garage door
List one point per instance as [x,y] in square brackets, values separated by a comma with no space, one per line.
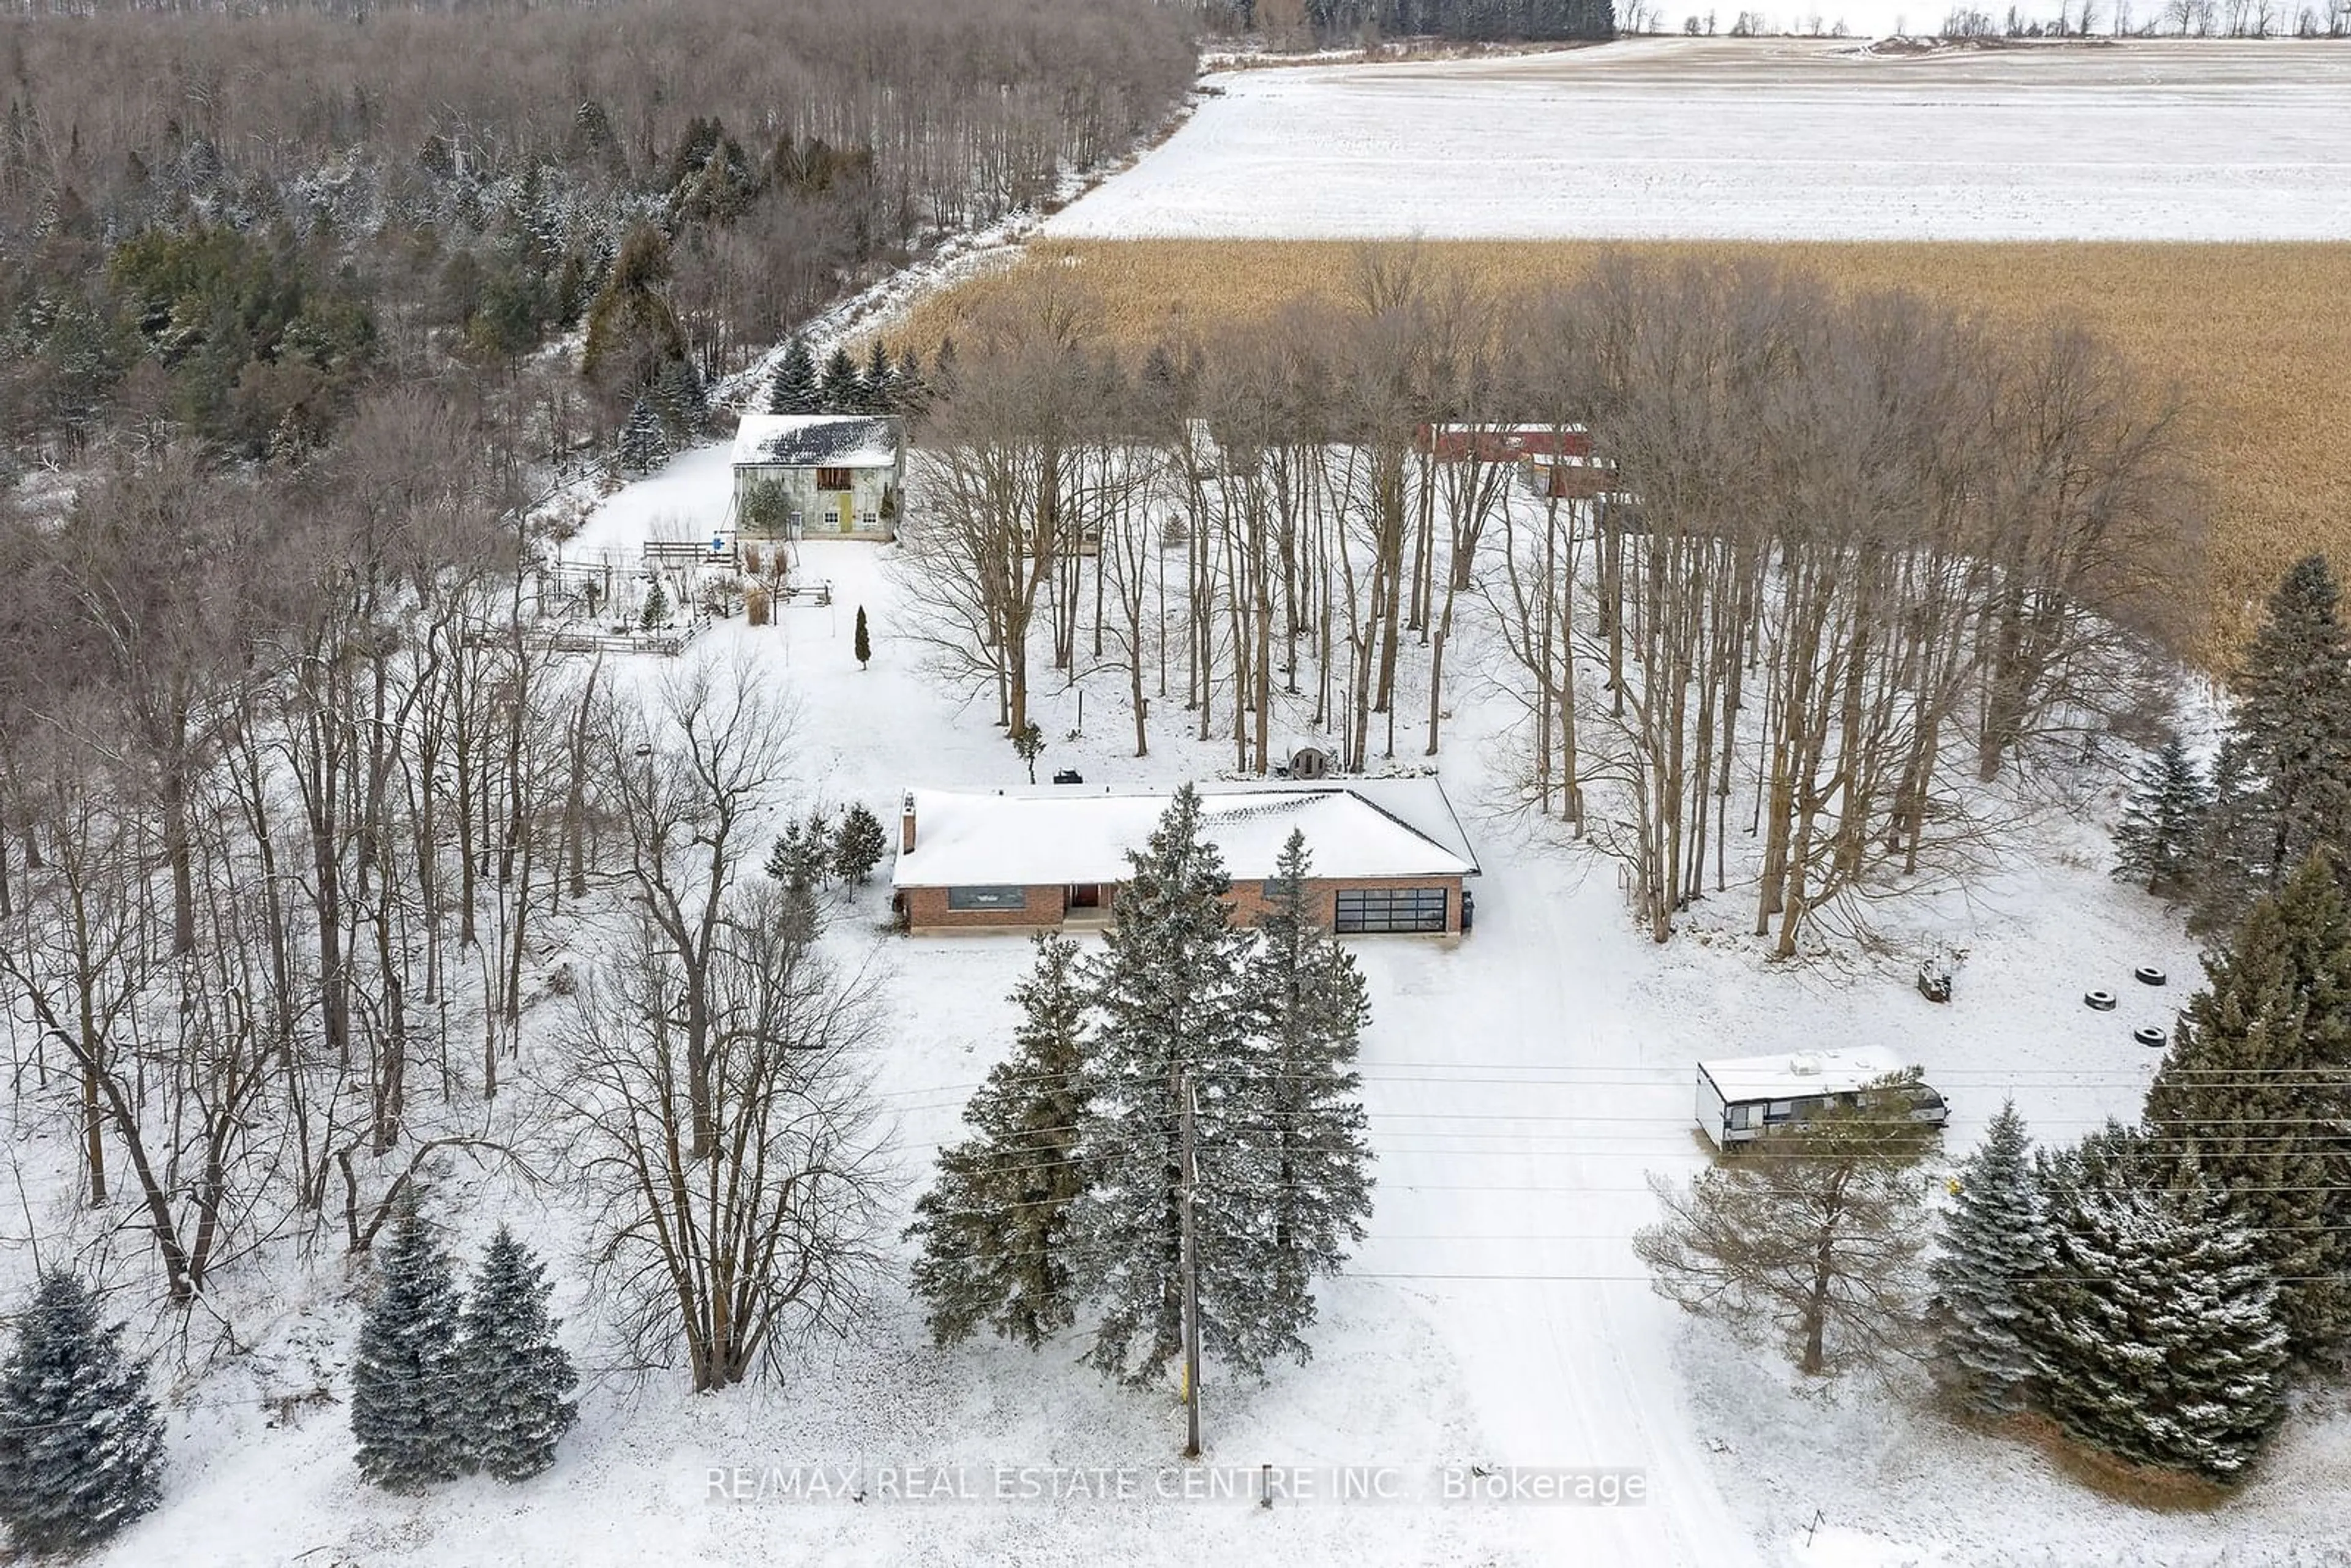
[1365,909]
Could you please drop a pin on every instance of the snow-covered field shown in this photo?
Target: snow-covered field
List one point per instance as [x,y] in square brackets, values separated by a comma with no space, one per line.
[1519,1085]
[1754,139]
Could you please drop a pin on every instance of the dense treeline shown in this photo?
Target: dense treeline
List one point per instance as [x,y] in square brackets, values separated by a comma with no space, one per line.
[291,798]
[230,221]
[2175,18]
[1826,562]
[293,812]
[1477,20]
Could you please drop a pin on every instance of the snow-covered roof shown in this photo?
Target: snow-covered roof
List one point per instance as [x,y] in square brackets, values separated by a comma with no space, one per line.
[817,441]
[1068,836]
[1795,1075]
[1418,801]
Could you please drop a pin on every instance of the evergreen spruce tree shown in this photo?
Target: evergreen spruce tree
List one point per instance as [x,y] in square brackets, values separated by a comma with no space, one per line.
[81,1447]
[2225,873]
[2162,829]
[655,613]
[642,444]
[794,390]
[2254,1092]
[2156,1336]
[406,1383]
[858,845]
[909,394]
[1168,989]
[682,402]
[1308,1006]
[803,857]
[2294,721]
[1995,1249]
[877,387]
[997,1248]
[863,645]
[511,1404]
[837,389]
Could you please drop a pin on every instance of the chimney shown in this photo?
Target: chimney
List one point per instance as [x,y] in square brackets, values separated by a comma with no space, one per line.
[906,824]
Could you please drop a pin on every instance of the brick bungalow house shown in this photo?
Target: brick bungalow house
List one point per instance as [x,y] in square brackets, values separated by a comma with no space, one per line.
[1388,855]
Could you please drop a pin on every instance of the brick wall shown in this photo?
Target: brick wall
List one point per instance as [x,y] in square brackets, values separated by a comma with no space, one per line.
[926,907]
[926,910]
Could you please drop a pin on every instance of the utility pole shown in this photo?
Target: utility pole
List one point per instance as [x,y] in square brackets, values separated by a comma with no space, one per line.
[1191,1268]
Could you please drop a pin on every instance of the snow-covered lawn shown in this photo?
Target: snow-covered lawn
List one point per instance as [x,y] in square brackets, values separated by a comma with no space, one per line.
[1519,1085]
[1779,139]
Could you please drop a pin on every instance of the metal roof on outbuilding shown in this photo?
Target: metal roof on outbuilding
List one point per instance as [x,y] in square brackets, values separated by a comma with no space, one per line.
[817,441]
[1795,1075]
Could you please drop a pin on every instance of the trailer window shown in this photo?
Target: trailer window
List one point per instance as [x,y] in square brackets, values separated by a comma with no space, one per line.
[1778,1109]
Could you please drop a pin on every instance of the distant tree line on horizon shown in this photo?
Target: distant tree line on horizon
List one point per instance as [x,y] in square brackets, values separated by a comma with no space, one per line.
[1350,21]
[2158,18]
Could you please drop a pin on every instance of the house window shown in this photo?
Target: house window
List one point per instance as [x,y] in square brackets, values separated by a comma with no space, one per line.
[832,478]
[972,898]
[1367,909]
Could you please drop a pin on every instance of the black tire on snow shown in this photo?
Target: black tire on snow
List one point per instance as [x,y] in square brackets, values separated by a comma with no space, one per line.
[2148,974]
[2099,1001]
[2148,1035]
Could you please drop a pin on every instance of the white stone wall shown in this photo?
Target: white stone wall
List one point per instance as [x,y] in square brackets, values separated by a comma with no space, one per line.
[821,513]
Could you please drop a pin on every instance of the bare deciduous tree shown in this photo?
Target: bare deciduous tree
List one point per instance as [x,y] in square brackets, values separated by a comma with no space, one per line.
[776,1232]
[689,781]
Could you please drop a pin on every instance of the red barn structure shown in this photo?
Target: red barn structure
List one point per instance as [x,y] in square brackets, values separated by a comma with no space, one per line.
[1570,478]
[1557,459]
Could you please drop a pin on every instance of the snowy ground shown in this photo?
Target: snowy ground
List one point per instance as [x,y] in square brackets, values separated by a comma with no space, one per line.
[1519,1085]
[1755,139]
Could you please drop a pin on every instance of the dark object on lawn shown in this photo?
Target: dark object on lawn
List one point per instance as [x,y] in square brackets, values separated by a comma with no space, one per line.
[1068,776]
[2148,974]
[2147,1034]
[1468,911]
[2099,1002]
[1935,979]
